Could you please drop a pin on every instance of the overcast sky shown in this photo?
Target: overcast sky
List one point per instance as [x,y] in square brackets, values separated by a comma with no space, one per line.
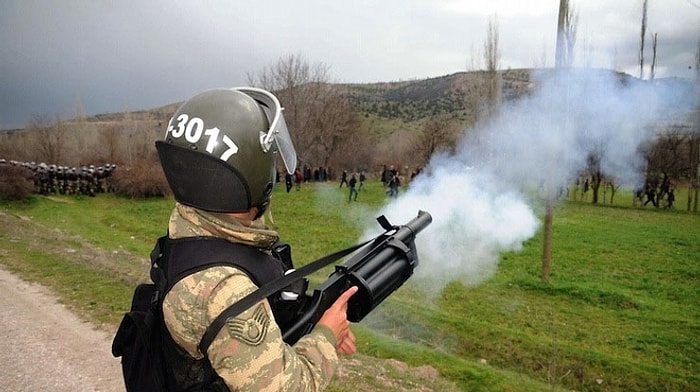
[113,56]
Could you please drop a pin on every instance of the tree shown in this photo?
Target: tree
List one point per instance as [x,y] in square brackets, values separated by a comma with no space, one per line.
[320,118]
[438,134]
[487,105]
[570,29]
[669,158]
[641,39]
[695,143]
[334,138]
[593,166]
[566,33]
[110,141]
[653,56]
[492,57]
[47,138]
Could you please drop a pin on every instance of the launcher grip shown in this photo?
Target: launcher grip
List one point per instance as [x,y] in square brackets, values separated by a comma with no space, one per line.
[377,269]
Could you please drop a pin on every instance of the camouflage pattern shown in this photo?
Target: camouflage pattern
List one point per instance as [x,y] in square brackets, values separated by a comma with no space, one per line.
[248,353]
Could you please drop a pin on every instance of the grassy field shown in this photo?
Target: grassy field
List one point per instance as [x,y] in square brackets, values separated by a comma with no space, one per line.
[621,313]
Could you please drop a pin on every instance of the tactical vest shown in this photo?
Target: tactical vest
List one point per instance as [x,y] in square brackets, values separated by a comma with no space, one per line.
[174,259]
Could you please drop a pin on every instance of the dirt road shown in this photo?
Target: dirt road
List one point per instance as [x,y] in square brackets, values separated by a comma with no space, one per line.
[44,347]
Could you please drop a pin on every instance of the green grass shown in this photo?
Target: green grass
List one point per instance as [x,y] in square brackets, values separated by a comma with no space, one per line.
[621,313]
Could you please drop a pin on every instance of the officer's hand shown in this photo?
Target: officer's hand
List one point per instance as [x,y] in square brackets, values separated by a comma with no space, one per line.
[336,319]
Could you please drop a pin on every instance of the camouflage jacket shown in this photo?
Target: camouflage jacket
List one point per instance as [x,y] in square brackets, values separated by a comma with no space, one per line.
[248,353]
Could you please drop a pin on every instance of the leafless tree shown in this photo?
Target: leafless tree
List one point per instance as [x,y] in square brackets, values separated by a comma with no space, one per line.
[335,138]
[594,171]
[138,138]
[110,141]
[566,34]
[473,62]
[47,138]
[320,118]
[642,37]
[570,32]
[653,56]
[437,134]
[697,62]
[670,158]
[695,143]
[492,58]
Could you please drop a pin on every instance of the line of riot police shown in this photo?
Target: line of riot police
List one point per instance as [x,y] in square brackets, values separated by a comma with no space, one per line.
[69,180]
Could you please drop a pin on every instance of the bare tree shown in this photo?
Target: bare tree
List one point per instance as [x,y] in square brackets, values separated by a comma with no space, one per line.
[594,171]
[473,63]
[47,137]
[110,141]
[492,58]
[641,39]
[570,32]
[653,56]
[138,139]
[670,158]
[437,134]
[566,33]
[697,63]
[298,85]
[695,155]
[335,135]
[321,120]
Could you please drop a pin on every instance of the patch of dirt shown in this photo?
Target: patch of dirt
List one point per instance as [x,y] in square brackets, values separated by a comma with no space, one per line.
[45,347]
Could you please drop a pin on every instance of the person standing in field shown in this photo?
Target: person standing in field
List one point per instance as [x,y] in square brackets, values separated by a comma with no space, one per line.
[343,178]
[298,178]
[352,185]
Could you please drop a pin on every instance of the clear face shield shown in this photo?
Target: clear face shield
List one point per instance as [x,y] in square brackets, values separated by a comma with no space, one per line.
[277,137]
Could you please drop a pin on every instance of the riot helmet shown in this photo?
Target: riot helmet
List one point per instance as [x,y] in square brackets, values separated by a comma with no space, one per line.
[220,148]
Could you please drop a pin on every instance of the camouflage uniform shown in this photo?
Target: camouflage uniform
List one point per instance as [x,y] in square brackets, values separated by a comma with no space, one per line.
[248,353]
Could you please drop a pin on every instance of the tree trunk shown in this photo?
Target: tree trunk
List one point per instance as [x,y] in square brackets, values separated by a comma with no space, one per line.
[559,53]
[549,214]
[547,244]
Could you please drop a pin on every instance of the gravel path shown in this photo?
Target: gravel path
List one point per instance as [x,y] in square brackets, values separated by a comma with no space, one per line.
[45,347]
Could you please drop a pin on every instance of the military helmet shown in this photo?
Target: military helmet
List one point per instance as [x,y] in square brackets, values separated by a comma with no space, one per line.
[220,147]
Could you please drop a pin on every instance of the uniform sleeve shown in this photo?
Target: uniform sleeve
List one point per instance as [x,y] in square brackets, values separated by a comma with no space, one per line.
[249,353]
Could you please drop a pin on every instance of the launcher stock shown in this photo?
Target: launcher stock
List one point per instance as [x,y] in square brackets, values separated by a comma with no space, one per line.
[377,269]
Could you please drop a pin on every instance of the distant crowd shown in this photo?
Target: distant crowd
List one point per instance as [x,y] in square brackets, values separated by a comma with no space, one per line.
[656,192]
[68,180]
[354,181]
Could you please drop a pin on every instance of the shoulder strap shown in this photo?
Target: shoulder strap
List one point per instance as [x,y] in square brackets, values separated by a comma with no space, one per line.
[173,259]
[267,290]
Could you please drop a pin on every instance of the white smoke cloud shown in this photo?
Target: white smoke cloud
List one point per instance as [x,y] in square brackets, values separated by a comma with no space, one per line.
[474,195]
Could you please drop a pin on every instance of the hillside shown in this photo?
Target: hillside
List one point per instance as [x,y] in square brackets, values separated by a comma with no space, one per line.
[456,95]
[393,119]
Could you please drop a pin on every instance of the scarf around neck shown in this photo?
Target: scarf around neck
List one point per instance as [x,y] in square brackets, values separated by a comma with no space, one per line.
[188,221]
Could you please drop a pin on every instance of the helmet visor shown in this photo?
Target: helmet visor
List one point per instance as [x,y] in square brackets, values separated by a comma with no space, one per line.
[277,136]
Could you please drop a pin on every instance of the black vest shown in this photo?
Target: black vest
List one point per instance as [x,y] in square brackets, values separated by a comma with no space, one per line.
[172,260]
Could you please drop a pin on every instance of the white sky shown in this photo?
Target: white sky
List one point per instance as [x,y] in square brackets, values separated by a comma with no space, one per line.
[132,55]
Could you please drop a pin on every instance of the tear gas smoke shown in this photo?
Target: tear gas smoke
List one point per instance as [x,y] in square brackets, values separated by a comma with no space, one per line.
[474,194]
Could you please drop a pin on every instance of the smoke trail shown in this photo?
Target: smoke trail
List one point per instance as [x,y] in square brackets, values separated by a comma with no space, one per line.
[474,195]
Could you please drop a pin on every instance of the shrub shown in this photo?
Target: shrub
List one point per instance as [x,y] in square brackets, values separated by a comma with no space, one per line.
[15,182]
[141,179]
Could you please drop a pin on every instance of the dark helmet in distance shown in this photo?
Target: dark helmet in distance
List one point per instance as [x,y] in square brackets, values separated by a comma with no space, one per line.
[220,149]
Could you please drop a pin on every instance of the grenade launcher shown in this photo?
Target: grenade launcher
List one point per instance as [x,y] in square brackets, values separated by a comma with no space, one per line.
[377,269]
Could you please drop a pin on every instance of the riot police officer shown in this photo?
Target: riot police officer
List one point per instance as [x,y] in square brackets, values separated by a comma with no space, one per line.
[218,155]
